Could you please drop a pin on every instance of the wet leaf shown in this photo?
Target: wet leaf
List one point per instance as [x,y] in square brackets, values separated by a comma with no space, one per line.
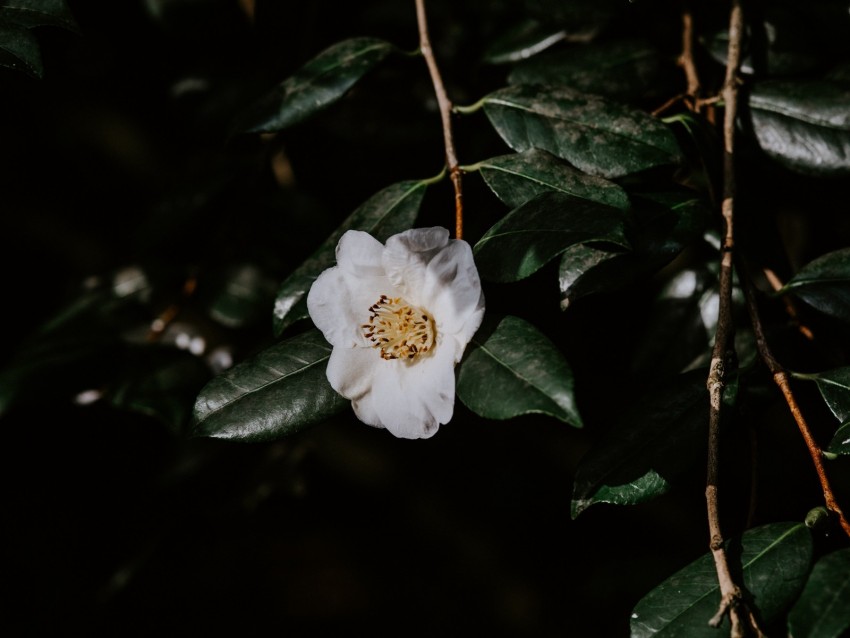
[825,283]
[803,124]
[822,610]
[278,392]
[317,85]
[386,213]
[652,443]
[771,562]
[620,69]
[538,231]
[19,50]
[597,135]
[518,177]
[517,370]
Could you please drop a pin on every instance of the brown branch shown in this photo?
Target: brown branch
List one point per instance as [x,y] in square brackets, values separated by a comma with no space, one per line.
[780,377]
[731,600]
[686,58]
[445,113]
[790,308]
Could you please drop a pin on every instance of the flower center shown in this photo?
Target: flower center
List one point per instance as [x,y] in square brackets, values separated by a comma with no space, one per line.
[399,330]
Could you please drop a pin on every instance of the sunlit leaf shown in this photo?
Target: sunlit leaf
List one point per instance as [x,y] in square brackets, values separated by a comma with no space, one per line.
[804,124]
[518,177]
[35,13]
[277,392]
[19,50]
[664,224]
[822,610]
[825,282]
[771,562]
[538,231]
[318,84]
[652,443]
[517,370]
[386,213]
[597,135]
[620,69]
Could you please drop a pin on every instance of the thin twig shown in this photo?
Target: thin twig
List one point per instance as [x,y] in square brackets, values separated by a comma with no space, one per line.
[790,308]
[731,600]
[686,58]
[780,377]
[158,325]
[445,113]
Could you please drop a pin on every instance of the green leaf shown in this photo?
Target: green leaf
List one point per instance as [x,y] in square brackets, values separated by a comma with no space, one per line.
[597,135]
[317,85]
[771,562]
[36,13]
[834,386]
[386,213]
[653,442]
[19,50]
[823,610]
[538,231]
[803,124]
[278,392]
[665,223]
[840,443]
[518,177]
[517,370]
[619,69]
[528,38]
[825,283]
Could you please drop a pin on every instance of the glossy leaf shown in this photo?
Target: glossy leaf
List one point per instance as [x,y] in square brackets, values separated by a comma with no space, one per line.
[278,392]
[825,283]
[538,231]
[518,177]
[19,50]
[620,69]
[771,562]
[35,13]
[823,610]
[840,443]
[386,213]
[834,386]
[528,38]
[803,124]
[652,443]
[317,85]
[517,370]
[597,135]
[665,223]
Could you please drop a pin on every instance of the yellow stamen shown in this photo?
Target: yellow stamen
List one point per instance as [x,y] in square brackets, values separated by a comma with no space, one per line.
[399,330]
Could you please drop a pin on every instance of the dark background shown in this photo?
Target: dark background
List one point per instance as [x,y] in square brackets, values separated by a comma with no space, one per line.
[117,523]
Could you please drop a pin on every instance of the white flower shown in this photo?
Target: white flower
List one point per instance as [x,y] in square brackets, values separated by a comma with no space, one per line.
[399,318]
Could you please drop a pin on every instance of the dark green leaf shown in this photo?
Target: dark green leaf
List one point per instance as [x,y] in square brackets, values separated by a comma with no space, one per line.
[19,50]
[665,223]
[528,38]
[517,370]
[35,13]
[652,443]
[840,443]
[386,213]
[518,177]
[541,229]
[599,136]
[823,610]
[804,124]
[771,561]
[834,386]
[825,283]
[620,69]
[278,392]
[318,84]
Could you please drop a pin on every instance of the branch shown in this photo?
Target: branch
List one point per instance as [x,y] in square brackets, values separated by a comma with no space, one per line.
[445,113]
[780,377]
[686,58]
[731,600]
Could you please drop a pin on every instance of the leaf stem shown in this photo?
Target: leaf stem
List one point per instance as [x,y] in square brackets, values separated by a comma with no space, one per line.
[731,600]
[445,114]
[472,108]
[781,379]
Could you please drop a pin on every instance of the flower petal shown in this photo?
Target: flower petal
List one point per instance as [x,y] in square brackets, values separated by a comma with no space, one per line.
[359,254]
[452,291]
[407,255]
[352,370]
[338,303]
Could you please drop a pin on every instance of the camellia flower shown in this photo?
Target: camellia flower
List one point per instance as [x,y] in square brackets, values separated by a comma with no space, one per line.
[399,318]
